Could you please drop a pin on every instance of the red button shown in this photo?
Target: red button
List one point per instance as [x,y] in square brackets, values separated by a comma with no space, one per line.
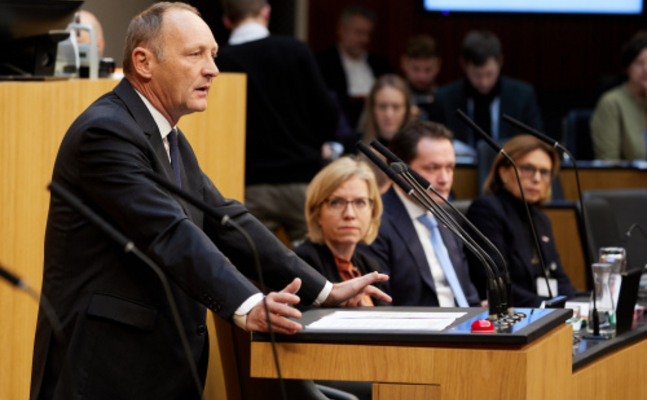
[482,326]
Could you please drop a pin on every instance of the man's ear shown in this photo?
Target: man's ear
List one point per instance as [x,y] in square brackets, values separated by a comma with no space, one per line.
[501,61]
[143,61]
[227,23]
[265,12]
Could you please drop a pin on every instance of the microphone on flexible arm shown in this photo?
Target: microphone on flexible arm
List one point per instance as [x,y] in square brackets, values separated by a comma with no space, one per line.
[504,282]
[226,220]
[557,145]
[129,247]
[493,289]
[500,150]
[41,299]
[627,235]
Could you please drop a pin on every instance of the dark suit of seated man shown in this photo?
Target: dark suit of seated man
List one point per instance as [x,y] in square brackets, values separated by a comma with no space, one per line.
[484,94]
[121,342]
[426,263]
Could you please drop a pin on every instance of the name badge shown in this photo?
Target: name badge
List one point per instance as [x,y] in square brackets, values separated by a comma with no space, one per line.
[542,290]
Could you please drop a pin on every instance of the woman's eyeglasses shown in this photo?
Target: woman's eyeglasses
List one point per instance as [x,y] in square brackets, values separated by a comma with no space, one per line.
[528,171]
[338,205]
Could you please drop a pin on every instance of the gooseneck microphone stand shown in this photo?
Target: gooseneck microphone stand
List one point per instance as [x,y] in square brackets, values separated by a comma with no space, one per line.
[493,290]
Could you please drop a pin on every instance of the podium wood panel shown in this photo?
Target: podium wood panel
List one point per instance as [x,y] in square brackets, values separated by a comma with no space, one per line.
[618,375]
[34,116]
[540,370]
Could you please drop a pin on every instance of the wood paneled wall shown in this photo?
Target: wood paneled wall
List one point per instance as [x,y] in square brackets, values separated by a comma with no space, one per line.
[33,119]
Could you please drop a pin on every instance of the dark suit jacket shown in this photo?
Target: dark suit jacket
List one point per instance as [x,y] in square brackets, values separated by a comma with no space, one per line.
[399,251]
[502,218]
[517,100]
[335,77]
[121,341]
[290,112]
[321,258]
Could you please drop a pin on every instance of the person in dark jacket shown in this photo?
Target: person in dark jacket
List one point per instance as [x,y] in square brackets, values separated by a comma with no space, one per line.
[501,215]
[343,208]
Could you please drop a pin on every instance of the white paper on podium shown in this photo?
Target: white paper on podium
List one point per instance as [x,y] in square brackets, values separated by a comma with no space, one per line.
[385,321]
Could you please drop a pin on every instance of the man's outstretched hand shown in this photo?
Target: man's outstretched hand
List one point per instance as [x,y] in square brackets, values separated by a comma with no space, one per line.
[351,293]
[279,307]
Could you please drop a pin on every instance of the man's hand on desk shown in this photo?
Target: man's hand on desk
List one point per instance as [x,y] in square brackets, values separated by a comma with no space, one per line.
[351,293]
[279,307]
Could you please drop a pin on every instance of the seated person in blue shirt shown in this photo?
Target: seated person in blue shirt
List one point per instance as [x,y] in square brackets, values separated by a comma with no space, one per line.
[425,261]
[501,215]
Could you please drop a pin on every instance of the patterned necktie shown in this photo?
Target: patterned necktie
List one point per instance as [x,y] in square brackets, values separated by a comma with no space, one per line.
[443,259]
[175,155]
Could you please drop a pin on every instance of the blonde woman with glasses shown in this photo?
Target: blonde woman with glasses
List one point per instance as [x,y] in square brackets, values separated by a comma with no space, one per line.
[343,208]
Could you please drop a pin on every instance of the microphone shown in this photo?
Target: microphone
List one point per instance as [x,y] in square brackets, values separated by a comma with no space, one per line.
[129,247]
[554,143]
[499,149]
[226,220]
[426,185]
[494,299]
[41,299]
[627,235]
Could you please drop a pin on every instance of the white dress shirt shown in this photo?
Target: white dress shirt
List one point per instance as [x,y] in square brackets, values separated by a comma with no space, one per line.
[359,75]
[443,290]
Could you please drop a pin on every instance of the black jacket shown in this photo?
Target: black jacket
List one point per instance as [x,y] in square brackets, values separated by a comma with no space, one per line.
[290,112]
[121,339]
[321,258]
[502,218]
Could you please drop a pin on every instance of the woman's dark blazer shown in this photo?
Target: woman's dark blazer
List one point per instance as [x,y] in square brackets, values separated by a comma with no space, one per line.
[502,218]
[321,258]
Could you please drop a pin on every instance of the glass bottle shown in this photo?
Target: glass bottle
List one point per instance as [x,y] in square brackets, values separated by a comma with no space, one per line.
[604,301]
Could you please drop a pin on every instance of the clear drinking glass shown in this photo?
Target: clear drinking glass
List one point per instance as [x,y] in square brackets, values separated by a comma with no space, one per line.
[617,257]
[604,301]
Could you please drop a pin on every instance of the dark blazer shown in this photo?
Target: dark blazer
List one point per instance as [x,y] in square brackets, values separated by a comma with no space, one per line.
[290,112]
[319,257]
[518,100]
[333,72]
[400,253]
[502,218]
[121,341]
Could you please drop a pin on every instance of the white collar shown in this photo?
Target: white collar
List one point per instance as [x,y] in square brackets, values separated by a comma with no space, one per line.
[346,58]
[248,32]
[414,210]
[160,120]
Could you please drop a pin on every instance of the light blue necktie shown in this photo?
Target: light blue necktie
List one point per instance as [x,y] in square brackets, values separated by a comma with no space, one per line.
[443,258]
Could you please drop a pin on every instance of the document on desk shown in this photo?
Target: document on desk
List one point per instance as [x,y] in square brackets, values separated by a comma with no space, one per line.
[385,321]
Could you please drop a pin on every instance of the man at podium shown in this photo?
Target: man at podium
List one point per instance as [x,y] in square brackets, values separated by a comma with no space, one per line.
[121,342]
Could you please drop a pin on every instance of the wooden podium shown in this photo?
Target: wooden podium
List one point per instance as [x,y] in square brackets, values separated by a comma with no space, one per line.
[449,365]
[34,116]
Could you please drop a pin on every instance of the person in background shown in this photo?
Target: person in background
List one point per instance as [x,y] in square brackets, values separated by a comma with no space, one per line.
[388,107]
[501,215]
[290,115]
[421,65]
[484,94]
[87,18]
[619,123]
[424,260]
[343,209]
[348,68]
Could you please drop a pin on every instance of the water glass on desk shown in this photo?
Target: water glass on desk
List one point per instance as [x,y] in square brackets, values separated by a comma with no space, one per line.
[606,309]
[617,257]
